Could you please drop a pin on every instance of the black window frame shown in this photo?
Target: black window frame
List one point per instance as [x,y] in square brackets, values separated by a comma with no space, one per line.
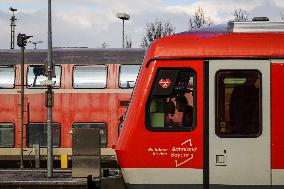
[14,138]
[106,130]
[119,74]
[15,68]
[106,85]
[44,123]
[217,110]
[194,93]
[43,87]
[119,127]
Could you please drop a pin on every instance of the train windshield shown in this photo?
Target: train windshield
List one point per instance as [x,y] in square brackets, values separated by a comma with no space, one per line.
[171,105]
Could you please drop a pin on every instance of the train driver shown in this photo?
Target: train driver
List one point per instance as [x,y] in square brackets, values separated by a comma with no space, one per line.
[182,106]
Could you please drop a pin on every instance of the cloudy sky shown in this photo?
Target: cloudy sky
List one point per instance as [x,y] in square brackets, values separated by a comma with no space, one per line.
[90,23]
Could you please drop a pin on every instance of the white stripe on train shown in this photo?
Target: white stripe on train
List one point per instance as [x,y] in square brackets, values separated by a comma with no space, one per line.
[178,176]
[162,175]
[63,91]
[56,151]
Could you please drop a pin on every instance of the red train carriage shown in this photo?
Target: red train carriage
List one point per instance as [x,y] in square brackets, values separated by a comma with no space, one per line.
[206,111]
[92,89]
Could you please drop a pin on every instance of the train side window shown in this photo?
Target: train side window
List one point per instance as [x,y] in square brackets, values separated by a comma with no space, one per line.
[7,135]
[128,75]
[36,75]
[7,77]
[101,126]
[36,134]
[238,100]
[90,76]
[172,103]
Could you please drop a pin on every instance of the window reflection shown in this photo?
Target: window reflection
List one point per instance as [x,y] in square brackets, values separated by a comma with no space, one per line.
[36,75]
[7,138]
[90,76]
[128,75]
[238,103]
[172,105]
[7,77]
[37,134]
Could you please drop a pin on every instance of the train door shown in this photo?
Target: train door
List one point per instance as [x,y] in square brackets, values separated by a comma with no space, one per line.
[239,124]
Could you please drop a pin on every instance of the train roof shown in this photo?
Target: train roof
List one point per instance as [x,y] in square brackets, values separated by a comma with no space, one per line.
[75,56]
[235,40]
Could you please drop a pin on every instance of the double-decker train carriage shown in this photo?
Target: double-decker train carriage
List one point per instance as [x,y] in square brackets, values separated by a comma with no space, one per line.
[207,111]
[92,90]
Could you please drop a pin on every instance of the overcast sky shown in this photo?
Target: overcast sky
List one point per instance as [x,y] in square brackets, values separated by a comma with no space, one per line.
[90,23]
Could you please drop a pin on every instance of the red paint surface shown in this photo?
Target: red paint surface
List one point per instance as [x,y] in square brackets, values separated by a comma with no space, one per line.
[68,107]
[135,141]
[229,45]
[277,118]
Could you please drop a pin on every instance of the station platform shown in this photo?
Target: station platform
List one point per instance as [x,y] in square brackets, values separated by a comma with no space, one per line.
[36,178]
[62,179]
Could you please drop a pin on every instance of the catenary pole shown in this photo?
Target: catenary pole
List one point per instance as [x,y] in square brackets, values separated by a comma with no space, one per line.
[49,99]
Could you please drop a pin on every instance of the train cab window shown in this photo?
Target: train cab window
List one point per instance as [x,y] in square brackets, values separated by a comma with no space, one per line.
[238,100]
[101,126]
[36,76]
[7,135]
[171,105]
[7,77]
[128,75]
[36,134]
[90,76]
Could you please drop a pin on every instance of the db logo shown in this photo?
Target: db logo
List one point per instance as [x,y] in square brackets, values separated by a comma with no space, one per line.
[165,83]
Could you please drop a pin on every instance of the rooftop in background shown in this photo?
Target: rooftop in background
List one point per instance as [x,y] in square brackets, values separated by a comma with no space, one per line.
[76,56]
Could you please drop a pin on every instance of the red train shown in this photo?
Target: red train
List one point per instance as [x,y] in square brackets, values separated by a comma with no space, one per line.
[207,111]
[93,88]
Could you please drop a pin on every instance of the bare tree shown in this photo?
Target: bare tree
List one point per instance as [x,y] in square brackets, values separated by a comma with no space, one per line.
[240,15]
[128,41]
[156,30]
[199,20]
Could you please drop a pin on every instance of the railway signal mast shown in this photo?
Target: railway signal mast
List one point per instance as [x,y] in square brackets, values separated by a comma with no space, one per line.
[22,42]
[13,25]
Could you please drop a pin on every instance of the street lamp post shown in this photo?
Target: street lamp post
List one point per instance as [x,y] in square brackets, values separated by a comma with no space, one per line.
[13,25]
[123,17]
[35,43]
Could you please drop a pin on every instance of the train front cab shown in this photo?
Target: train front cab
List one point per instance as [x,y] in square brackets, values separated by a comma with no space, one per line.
[160,148]
[206,111]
